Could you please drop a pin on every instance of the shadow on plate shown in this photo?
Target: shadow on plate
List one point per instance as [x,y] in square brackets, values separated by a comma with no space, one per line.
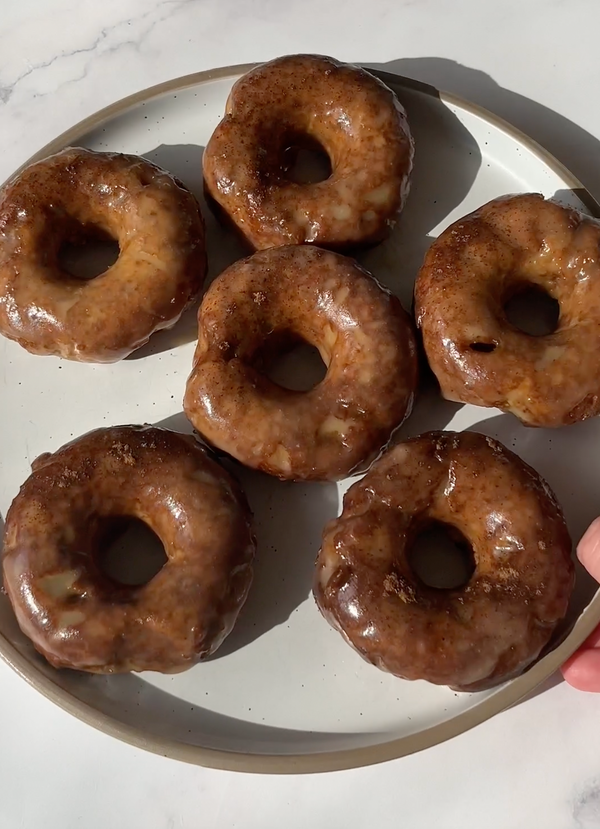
[431,411]
[185,162]
[289,518]
[444,172]
[576,148]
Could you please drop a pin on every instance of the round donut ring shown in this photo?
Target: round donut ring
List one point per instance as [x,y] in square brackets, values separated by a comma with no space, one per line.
[365,338]
[306,99]
[72,196]
[470,273]
[79,618]
[472,637]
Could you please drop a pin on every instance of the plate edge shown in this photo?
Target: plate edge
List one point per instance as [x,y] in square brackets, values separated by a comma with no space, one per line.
[505,697]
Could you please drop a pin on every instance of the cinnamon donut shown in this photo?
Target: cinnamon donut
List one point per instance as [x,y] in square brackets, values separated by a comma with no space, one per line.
[310,100]
[365,338]
[469,274]
[79,618]
[471,637]
[70,197]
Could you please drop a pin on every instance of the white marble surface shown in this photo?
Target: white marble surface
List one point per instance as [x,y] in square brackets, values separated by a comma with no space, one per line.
[534,62]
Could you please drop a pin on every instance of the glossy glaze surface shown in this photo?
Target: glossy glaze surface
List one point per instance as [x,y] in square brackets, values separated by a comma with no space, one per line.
[364,337]
[352,115]
[472,637]
[76,616]
[469,274]
[70,197]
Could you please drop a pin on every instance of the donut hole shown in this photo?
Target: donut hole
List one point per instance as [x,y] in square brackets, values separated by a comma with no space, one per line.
[291,362]
[441,557]
[305,161]
[87,252]
[130,553]
[532,310]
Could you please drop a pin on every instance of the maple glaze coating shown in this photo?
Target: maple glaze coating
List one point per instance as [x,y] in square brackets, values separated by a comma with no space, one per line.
[365,339]
[469,274]
[79,618]
[472,637]
[70,197]
[354,117]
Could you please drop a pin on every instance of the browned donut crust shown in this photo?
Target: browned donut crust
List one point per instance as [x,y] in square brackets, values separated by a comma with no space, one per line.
[71,196]
[348,112]
[467,277]
[472,637]
[364,337]
[79,618]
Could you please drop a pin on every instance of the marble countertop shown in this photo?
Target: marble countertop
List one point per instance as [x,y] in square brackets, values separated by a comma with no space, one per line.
[536,64]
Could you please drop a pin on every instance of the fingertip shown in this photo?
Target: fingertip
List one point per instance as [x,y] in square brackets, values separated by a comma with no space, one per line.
[582,670]
[588,549]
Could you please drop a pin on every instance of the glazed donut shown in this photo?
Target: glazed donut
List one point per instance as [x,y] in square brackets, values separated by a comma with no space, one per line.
[471,637]
[70,197]
[79,618]
[363,335]
[470,273]
[310,99]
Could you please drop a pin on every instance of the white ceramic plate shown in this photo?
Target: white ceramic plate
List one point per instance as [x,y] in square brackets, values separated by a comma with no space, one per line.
[284,693]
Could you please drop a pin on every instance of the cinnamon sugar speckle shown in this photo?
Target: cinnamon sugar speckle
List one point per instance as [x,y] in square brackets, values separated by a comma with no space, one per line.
[122,451]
